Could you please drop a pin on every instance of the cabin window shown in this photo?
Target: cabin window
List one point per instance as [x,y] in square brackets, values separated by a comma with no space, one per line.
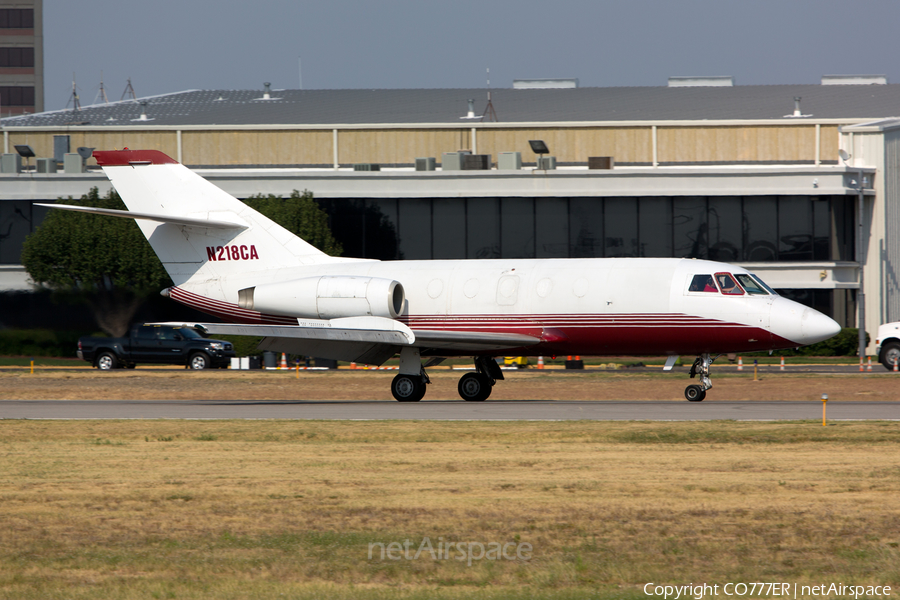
[751,285]
[703,283]
[729,286]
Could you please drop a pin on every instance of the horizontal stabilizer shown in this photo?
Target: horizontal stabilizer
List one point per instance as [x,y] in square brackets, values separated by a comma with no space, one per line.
[175,220]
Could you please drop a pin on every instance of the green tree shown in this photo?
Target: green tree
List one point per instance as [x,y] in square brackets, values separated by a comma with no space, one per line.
[300,215]
[106,262]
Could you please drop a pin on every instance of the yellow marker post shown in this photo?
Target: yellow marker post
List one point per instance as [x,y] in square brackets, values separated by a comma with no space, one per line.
[298,371]
[32,366]
[755,367]
[824,402]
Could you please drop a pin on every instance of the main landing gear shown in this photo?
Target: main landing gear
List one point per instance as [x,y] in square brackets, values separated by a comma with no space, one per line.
[476,387]
[409,388]
[409,384]
[696,393]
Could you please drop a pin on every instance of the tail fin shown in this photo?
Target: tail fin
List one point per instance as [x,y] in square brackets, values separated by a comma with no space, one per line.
[199,231]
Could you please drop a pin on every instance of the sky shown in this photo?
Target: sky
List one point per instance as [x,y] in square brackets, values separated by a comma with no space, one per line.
[168,46]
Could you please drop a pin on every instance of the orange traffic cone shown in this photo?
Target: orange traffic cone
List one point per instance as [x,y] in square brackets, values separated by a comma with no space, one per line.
[353,365]
[740,364]
[283,361]
[782,363]
[540,364]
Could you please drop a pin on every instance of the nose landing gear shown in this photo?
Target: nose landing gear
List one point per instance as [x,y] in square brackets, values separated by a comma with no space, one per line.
[694,392]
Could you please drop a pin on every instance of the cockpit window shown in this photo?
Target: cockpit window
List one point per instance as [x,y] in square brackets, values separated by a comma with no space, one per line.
[765,286]
[703,283]
[729,285]
[751,285]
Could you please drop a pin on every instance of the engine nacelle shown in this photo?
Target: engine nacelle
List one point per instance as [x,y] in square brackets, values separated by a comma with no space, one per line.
[327,297]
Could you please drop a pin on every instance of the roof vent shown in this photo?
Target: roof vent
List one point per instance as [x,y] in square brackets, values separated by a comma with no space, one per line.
[143,116]
[545,84]
[267,92]
[854,80]
[471,114]
[797,112]
[714,81]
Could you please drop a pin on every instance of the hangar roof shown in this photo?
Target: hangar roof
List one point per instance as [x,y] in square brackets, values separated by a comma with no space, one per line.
[447,106]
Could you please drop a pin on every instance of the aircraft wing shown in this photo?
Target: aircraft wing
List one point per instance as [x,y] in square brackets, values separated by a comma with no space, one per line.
[370,340]
[461,341]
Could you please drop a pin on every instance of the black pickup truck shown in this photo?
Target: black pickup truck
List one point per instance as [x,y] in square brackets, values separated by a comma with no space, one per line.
[156,344]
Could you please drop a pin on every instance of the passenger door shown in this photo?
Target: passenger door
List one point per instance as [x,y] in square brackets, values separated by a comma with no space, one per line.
[145,344]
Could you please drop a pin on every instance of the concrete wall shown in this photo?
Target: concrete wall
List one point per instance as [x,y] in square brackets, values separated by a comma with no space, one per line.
[890,250]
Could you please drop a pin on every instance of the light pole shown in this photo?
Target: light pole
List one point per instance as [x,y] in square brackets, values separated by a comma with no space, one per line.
[860,257]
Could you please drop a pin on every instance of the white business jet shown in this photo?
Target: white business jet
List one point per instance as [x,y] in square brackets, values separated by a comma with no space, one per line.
[228,260]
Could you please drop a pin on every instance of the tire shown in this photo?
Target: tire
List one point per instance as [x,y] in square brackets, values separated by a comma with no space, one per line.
[889,352]
[107,361]
[694,393]
[408,388]
[474,387]
[198,361]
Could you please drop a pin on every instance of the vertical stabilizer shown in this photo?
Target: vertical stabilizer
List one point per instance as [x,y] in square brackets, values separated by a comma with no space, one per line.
[150,182]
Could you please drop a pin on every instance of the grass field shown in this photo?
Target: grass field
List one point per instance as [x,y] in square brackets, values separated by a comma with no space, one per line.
[284,509]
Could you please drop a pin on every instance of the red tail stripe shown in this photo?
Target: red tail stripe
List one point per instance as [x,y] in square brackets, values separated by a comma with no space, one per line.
[123,158]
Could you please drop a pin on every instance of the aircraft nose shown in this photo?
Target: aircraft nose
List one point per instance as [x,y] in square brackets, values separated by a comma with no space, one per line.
[801,324]
[816,327]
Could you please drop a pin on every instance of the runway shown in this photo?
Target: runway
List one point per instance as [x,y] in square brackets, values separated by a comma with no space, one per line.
[448,410]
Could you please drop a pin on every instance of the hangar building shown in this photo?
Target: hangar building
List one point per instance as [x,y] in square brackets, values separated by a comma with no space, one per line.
[769,177]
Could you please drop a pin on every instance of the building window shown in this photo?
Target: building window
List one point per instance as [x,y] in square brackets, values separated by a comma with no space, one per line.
[726,217]
[655,226]
[585,228]
[18,218]
[721,228]
[16,96]
[17,18]
[690,227]
[16,57]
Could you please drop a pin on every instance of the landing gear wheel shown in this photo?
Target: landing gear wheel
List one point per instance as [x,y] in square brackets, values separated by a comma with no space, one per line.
[889,353]
[694,393]
[107,361]
[408,388]
[474,387]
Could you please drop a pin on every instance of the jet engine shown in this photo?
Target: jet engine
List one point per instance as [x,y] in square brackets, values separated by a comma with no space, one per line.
[327,297]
